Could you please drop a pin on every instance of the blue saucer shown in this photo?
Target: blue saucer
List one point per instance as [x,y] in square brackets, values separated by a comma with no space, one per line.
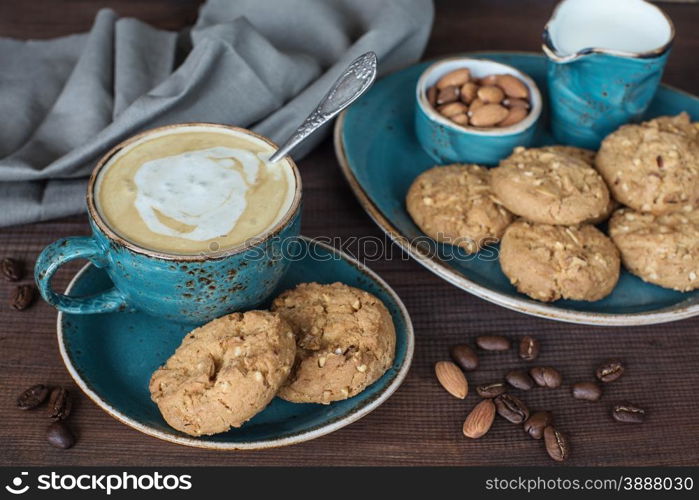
[380,156]
[112,357]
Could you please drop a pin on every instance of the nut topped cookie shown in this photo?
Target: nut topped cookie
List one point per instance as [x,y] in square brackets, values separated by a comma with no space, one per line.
[224,372]
[550,262]
[653,166]
[345,341]
[660,249]
[454,204]
[550,186]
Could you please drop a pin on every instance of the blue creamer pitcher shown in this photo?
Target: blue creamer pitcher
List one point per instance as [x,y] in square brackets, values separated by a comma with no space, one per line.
[606,59]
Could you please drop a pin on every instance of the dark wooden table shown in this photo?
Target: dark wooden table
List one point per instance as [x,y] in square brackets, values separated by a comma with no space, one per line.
[420,424]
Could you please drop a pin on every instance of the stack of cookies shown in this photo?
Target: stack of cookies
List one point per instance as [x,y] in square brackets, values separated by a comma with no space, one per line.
[317,344]
[543,204]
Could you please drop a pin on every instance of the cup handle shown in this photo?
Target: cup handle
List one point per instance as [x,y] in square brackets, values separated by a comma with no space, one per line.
[63,251]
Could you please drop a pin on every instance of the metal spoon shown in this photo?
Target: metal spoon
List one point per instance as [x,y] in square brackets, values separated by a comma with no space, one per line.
[356,80]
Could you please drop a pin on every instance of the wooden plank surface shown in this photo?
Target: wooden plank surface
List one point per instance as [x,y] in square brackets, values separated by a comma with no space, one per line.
[420,424]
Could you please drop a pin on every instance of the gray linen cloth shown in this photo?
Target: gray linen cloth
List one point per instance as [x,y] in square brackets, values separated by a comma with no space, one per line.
[261,64]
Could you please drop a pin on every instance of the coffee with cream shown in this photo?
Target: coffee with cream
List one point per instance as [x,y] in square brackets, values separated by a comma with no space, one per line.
[193,189]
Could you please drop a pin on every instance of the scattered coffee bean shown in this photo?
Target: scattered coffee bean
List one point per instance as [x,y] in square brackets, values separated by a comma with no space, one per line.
[59,435]
[60,404]
[628,413]
[11,269]
[511,408]
[493,343]
[528,348]
[519,379]
[610,371]
[464,356]
[32,397]
[535,425]
[479,420]
[589,391]
[490,391]
[557,445]
[545,376]
[23,297]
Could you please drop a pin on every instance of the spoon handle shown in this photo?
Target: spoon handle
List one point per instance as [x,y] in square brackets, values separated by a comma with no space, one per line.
[355,80]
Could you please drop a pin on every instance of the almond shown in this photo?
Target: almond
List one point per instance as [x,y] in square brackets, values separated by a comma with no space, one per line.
[489,80]
[516,103]
[512,86]
[480,419]
[432,96]
[491,94]
[515,115]
[460,119]
[451,109]
[468,92]
[457,77]
[488,115]
[477,103]
[452,378]
[447,95]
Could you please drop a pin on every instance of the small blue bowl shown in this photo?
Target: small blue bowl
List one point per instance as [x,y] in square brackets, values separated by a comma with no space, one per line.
[447,142]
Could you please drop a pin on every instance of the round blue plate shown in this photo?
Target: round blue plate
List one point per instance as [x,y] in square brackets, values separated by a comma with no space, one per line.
[112,357]
[380,156]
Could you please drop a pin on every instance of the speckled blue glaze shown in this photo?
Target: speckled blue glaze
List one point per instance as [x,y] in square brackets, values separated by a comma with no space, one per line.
[595,94]
[112,357]
[594,89]
[188,291]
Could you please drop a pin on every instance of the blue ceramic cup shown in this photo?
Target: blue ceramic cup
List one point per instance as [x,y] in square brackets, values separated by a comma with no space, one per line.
[605,61]
[448,142]
[184,288]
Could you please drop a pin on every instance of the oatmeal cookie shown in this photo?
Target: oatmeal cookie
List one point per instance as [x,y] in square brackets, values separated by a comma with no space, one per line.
[550,187]
[345,341]
[660,249]
[653,166]
[586,155]
[224,372]
[550,262]
[454,204]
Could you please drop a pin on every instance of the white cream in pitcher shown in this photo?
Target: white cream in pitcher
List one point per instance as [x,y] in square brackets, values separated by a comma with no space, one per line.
[195,189]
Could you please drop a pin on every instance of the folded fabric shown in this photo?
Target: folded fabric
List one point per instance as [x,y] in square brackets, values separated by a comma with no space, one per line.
[259,64]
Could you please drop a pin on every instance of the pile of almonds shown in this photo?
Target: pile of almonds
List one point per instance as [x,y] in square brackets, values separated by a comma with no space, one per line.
[492,101]
[496,398]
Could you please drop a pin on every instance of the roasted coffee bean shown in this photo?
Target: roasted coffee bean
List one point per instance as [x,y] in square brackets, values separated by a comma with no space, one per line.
[464,356]
[490,391]
[519,379]
[528,348]
[545,376]
[557,444]
[493,343]
[628,413]
[610,371]
[511,408]
[32,397]
[59,435]
[11,269]
[535,425]
[60,404]
[23,297]
[589,391]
